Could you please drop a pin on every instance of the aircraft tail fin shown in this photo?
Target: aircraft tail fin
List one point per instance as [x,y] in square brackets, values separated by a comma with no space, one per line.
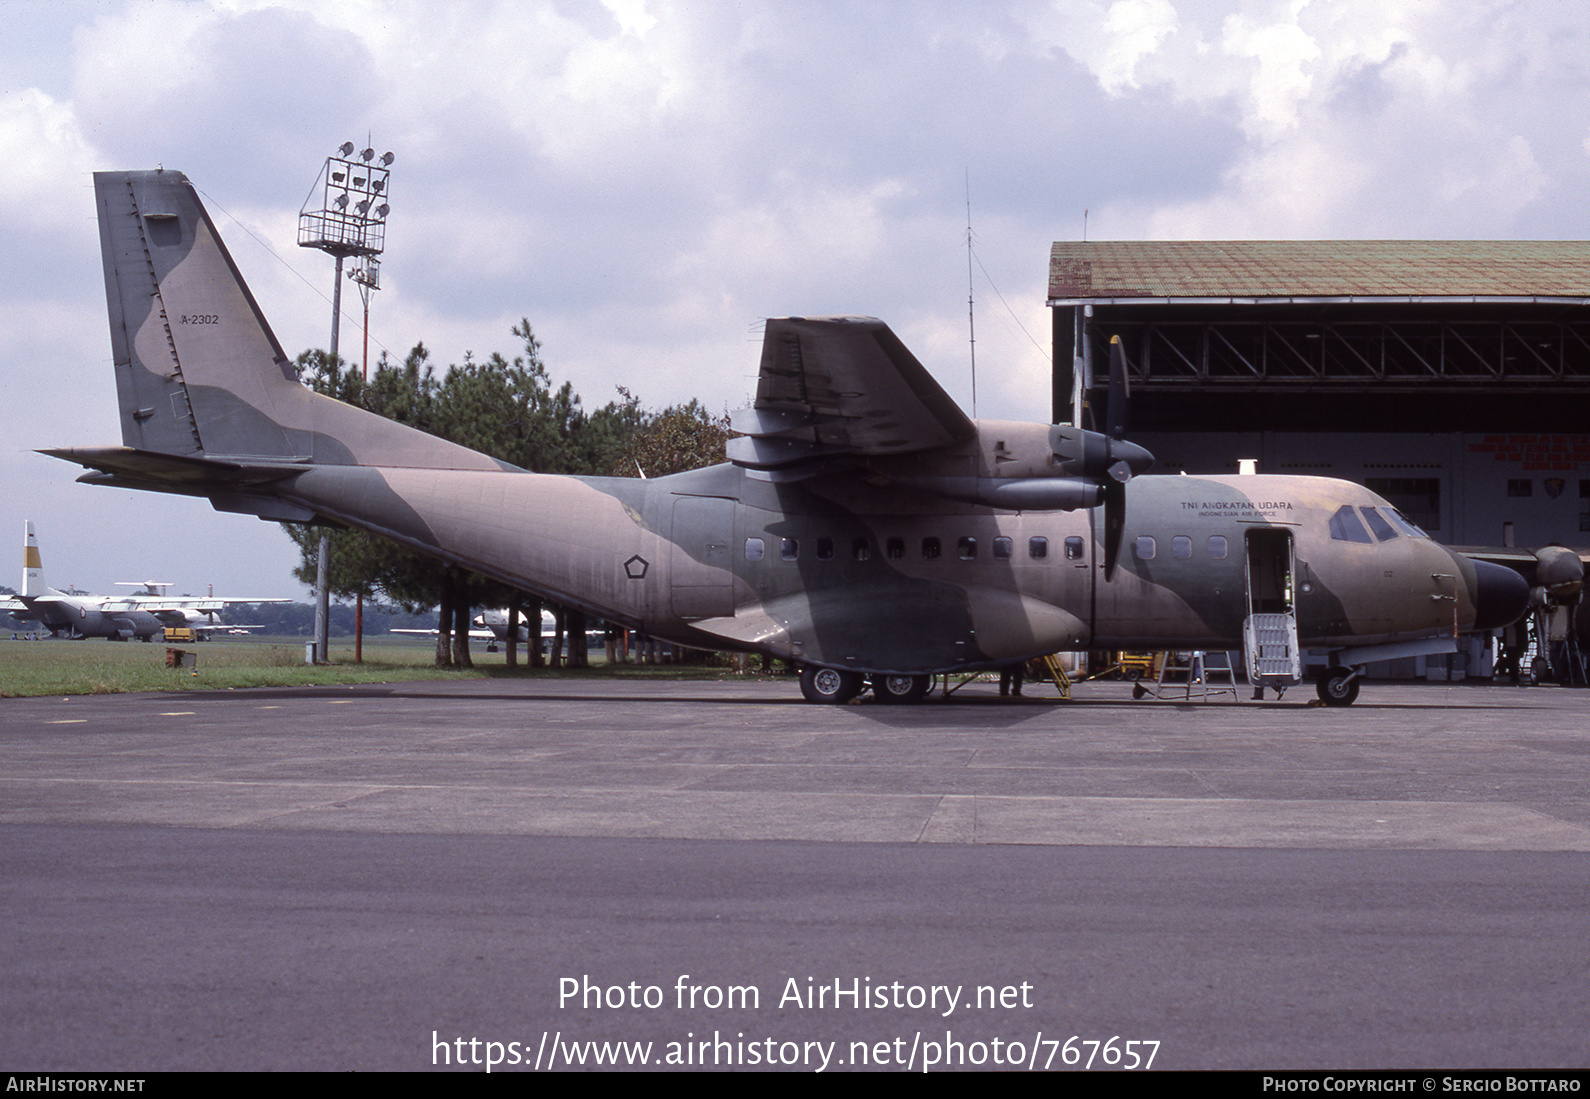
[32,567]
[199,374]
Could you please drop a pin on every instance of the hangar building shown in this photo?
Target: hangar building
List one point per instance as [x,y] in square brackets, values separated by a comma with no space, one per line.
[1451,377]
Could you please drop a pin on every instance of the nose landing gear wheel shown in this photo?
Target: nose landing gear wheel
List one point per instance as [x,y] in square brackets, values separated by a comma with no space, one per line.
[829,684]
[900,688]
[1338,686]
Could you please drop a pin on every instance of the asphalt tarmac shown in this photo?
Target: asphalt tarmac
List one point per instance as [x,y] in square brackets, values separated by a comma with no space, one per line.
[429,875]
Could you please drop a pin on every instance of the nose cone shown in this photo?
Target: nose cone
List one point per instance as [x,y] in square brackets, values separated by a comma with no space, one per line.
[1501,596]
[1559,571]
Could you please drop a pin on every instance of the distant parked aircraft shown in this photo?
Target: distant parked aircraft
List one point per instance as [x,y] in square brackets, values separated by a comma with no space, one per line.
[120,618]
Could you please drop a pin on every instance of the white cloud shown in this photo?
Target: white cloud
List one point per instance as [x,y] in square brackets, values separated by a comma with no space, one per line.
[1284,57]
[1134,29]
[645,179]
[42,148]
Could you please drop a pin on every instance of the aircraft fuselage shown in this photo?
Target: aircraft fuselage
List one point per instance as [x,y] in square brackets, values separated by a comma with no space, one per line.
[841,573]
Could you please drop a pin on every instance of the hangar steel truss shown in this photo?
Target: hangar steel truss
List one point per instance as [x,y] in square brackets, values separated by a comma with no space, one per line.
[1406,350]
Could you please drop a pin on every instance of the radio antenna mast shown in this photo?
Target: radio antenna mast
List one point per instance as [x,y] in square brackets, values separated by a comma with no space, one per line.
[971,324]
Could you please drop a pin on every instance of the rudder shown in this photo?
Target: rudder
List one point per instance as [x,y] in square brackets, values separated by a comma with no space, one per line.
[195,360]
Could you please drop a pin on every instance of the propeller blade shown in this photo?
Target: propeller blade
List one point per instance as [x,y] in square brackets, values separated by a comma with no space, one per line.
[1120,391]
[1124,458]
[1114,524]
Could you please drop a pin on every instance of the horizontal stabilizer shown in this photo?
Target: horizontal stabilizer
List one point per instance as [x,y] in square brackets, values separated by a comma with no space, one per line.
[126,467]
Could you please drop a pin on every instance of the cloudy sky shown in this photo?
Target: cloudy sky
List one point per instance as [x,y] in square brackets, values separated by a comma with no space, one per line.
[646,180]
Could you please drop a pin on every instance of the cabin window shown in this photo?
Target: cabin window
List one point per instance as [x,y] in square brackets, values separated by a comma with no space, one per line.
[930,548]
[1345,527]
[1404,524]
[754,549]
[825,549]
[1074,548]
[1417,498]
[967,548]
[789,549]
[1377,523]
[1181,547]
[1145,547]
[1002,548]
[894,549]
[1038,548]
[1217,547]
[861,549]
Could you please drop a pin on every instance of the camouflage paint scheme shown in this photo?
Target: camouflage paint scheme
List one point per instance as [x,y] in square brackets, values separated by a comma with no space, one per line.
[808,545]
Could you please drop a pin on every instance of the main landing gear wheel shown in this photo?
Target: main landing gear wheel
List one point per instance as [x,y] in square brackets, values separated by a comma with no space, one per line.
[900,688]
[829,684]
[1338,686]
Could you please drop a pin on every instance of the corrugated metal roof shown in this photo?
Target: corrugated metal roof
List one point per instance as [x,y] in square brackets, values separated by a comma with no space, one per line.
[1318,269]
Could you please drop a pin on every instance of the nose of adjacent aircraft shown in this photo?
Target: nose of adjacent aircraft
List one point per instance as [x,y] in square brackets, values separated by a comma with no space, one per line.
[1501,596]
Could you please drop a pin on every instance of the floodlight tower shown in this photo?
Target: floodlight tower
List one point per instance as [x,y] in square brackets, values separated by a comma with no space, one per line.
[351,221]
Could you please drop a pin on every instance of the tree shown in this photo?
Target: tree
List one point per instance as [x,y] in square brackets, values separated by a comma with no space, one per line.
[507,408]
[678,438]
[511,410]
[363,564]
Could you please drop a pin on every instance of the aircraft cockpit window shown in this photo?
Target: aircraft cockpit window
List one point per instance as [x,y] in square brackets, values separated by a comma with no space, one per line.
[1145,548]
[894,549]
[967,548]
[1404,524]
[1038,548]
[1181,547]
[1217,547]
[754,548]
[1002,548]
[1345,526]
[930,548]
[1074,548]
[1377,523]
[825,549]
[789,549]
[861,549]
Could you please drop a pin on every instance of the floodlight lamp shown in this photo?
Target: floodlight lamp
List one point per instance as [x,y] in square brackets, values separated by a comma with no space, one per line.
[363,206]
[381,210]
[366,155]
[338,177]
[358,181]
[377,185]
[345,148]
[386,159]
[342,202]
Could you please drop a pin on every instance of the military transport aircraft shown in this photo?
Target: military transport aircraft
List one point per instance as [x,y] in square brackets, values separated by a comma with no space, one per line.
[118,617]
[864,527]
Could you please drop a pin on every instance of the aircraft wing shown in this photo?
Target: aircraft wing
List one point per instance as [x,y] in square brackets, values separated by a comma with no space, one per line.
[841,387]
[203,603]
